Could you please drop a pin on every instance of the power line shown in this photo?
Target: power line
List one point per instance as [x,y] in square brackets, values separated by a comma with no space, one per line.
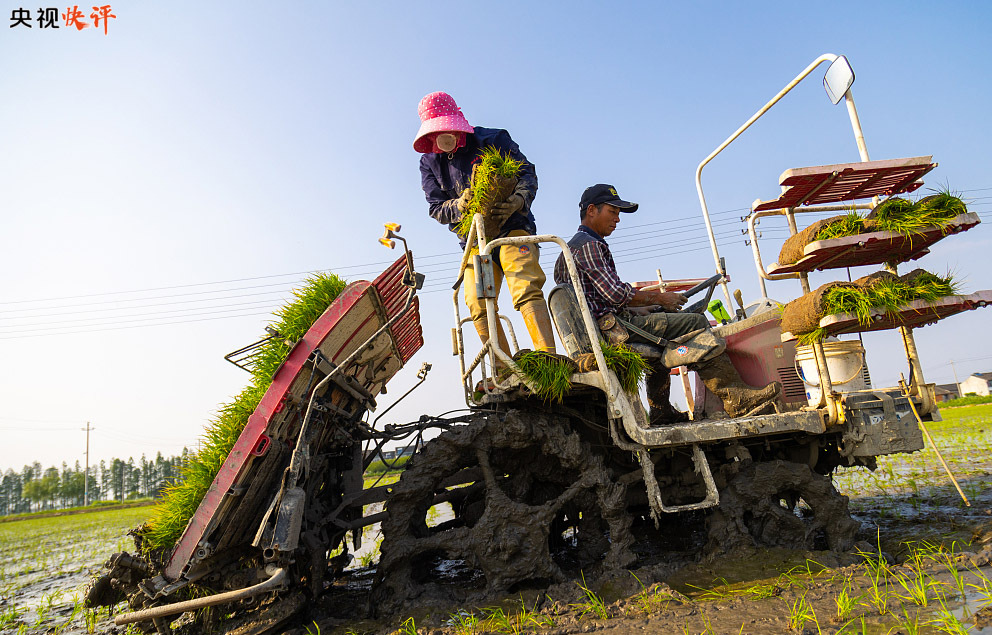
[207,308]
[117,328]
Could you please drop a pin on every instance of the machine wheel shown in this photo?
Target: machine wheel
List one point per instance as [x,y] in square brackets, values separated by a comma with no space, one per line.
[781,504]
[529,502]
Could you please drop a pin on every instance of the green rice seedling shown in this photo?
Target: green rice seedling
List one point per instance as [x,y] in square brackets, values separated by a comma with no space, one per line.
[806,339]
[887,294]
[533,616]
[917,586]
[551,375]
[762,591]
[846,603]
[315,630]
[77,607]
[718,592]
[850,225]
[945,621]
[956,576]
[801,612]
[493,167]
[877,572]
[366,559]
[629,366]
[499,621]
[408,627]
[983,586]
[464,622]
[649,598]
[593,604]
[932,211]
[10,616]
[910,623]
[181,498]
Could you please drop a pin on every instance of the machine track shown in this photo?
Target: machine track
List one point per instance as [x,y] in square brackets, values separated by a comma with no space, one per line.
[781,504]
[530,503]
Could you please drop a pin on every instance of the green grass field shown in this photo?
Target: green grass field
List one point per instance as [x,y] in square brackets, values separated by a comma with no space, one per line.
[46,563]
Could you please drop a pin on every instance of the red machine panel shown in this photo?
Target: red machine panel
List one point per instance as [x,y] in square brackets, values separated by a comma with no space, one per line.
[354,317]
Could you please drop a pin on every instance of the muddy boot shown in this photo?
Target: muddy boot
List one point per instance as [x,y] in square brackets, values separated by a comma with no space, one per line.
[659,383]
[482,328]
[739,399]
[538,321]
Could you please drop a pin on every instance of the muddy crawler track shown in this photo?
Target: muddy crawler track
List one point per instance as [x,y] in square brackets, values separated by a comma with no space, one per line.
[758,508]
[533,500]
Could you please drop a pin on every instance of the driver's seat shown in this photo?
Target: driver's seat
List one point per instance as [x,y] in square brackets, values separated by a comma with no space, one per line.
[567,316]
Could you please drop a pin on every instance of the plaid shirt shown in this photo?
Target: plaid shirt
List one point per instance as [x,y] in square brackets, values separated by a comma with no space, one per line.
[604,290]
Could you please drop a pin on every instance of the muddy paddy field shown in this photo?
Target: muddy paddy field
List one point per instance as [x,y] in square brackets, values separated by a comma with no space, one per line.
[922,565]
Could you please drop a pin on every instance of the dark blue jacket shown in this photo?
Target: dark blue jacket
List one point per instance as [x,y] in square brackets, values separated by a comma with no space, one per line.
[444,176]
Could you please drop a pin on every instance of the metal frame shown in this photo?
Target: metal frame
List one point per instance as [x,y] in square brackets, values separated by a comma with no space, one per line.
[616,398]
[828,399]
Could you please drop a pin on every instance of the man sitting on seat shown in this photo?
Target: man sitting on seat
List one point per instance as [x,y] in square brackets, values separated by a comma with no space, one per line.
[652,317]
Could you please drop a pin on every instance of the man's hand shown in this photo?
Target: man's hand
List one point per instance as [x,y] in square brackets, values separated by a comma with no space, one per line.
[671,301]
[664,301]
[644,311]
[513,203]
[463,201]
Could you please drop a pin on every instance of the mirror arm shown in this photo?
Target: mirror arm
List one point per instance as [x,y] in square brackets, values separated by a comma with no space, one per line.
[826,57]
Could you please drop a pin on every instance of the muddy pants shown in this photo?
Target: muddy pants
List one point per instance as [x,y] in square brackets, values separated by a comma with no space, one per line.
[521,267]
[666,325]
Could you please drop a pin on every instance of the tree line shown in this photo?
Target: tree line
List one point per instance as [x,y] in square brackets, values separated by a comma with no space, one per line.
[34,488]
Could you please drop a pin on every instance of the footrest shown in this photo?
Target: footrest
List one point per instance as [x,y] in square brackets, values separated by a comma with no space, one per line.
[872,248]
[915,314]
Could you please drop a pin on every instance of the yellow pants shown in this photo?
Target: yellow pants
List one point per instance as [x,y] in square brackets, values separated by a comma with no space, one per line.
[521,266]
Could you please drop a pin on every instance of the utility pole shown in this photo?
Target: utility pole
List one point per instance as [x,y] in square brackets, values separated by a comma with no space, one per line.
[86,474]
[956,383]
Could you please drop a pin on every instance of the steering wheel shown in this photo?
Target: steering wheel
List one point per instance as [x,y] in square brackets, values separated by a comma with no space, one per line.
[707,285]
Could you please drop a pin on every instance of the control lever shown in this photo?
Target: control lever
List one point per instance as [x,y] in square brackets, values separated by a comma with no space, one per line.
[740,304]
[709,284]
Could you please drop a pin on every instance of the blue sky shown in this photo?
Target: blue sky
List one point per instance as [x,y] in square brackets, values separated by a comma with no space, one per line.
[241,144]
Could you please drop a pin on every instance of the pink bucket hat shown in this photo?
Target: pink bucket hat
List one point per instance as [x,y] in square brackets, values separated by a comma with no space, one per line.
[438,113]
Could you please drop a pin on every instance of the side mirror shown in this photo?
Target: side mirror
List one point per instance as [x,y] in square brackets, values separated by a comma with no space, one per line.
[838,79]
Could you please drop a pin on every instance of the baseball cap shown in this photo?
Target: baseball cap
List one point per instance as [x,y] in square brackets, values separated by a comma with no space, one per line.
[603,193]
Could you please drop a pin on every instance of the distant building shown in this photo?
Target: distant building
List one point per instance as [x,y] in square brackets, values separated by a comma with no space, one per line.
[978,383]
[406,450]
[946,392]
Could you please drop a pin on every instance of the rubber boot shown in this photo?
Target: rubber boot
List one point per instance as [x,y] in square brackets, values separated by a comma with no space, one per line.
[482,328]
[538,321]
[659,383]
[739,399]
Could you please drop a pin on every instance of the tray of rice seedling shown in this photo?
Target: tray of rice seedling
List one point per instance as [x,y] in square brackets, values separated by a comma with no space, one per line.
[911,315]
[224,492]
[876,302]
[897,230]
[848,181]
